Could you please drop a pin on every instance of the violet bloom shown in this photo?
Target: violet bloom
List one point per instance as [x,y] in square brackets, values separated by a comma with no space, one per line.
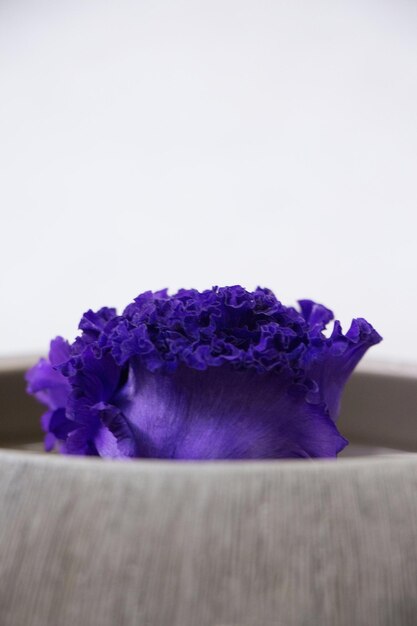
[222,374]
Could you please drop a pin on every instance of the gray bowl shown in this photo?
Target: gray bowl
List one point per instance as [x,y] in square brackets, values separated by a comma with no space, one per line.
[89,542]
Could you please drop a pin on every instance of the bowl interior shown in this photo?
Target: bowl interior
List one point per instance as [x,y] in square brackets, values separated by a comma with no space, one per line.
[379,410]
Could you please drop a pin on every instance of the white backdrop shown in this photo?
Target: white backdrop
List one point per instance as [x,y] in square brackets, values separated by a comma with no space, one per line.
[156,143]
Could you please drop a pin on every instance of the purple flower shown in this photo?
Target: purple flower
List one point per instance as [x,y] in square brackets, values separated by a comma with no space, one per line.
[221,374]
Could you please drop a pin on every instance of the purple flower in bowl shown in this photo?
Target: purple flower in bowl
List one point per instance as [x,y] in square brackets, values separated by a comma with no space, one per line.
[219,374]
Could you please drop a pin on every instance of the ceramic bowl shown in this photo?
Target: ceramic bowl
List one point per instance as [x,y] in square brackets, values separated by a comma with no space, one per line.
[107,543]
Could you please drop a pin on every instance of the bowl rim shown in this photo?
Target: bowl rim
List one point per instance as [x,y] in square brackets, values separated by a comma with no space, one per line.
[382,367]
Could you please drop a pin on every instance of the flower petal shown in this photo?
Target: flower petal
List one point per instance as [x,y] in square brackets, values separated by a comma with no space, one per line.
[223,413]
[45,382]
[331,364]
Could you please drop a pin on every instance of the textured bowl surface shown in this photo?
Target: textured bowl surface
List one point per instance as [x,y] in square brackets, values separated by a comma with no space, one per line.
[101,543]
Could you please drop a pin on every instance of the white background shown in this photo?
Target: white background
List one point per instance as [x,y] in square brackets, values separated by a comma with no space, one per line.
[186,143]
